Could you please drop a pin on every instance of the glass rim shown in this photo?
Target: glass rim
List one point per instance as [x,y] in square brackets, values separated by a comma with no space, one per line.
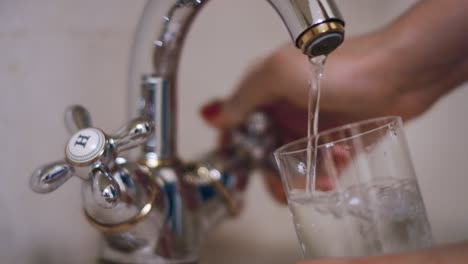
[392,118]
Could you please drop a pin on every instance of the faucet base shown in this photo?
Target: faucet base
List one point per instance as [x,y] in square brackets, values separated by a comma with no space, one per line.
[143,258]
[145,255]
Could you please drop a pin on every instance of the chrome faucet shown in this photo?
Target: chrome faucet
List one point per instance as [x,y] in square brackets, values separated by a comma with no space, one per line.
[151,207]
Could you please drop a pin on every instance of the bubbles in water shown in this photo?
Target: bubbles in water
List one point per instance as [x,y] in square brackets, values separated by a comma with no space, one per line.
[302,168]
[392,128]
[382,216]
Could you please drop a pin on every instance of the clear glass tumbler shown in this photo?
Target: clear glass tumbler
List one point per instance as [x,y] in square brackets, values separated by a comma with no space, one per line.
[365,198]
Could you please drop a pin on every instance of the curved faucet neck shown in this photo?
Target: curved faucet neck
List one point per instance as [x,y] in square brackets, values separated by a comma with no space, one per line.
[154,67]
[315,26]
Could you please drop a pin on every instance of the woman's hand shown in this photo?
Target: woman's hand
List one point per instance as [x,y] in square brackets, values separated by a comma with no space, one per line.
[279,86]
[401,69]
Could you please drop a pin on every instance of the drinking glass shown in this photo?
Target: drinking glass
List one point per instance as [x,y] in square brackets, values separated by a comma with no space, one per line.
[362,198]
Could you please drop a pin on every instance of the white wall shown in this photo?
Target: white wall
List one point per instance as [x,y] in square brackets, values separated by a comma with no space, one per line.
[57,52]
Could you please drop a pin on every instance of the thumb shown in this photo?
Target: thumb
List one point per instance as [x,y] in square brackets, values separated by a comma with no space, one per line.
[254,91]
[283,75]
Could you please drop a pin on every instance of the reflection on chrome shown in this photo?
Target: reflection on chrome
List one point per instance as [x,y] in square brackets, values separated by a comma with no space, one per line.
[150,206]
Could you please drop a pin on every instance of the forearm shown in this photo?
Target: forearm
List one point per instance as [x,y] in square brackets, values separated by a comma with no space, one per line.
[403,68]
[427,49]
[454,253]
[450,254]
[400,69]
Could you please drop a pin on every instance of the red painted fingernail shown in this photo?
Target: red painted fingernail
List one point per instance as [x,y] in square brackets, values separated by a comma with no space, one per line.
[211,110]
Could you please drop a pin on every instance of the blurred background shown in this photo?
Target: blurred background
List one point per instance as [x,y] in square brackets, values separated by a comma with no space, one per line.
[54,53]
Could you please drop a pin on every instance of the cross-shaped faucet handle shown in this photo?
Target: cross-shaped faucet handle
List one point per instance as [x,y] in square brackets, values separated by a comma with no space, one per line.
[94,150]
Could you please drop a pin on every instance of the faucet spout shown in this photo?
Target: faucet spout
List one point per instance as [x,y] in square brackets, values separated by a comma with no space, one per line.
[315,26]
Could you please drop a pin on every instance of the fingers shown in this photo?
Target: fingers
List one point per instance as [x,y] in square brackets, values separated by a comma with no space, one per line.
[274,185]
[331,167]
[281,76]
[251,93]
[257,89]
[212,113]
[289,121]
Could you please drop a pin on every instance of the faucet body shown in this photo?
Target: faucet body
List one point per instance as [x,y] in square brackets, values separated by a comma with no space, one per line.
[153,207]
